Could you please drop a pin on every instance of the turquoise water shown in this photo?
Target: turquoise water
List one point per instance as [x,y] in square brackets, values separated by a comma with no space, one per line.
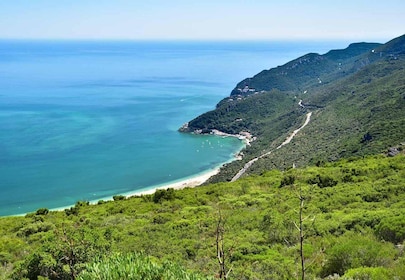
[89,120]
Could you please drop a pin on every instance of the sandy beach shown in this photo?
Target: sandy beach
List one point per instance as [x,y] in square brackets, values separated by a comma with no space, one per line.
[178,185]
[189,182]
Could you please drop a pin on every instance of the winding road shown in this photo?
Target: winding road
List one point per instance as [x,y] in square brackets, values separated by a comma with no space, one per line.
[288,140]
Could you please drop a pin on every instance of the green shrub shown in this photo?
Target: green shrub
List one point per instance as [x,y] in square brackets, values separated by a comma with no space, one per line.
[134,267]
[42,211]
[64,255]
[75,209]
[354,251]
[118,197]
[34,228]
[161,195]
[392,229]
[287,181]
[368,273]
[323,181]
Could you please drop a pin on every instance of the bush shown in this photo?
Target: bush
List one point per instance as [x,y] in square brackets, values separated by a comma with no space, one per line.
[75,209]
[34,228]
[368,273]
[42,211]
[161,195]
[323,181]
[134,267]
[118,197]
[36,265]
[287,181]
[64,255]
[355,251]
[392,229]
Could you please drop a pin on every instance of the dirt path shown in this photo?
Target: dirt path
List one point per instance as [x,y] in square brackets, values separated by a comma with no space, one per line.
[288,140]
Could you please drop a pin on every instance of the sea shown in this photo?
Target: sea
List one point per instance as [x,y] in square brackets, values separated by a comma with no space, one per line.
[87,120]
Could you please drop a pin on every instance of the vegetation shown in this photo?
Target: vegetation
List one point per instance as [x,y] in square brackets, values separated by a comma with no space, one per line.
[350,214]
[134,267]
[306,71]
[338,216]
[357,96]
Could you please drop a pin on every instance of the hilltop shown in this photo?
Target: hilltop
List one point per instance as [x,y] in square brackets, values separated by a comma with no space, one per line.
[356,95]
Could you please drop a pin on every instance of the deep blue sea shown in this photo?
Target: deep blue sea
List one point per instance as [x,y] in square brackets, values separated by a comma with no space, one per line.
[89,120]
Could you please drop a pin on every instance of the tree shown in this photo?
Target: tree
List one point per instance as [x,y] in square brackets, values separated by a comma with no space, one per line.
[65,255]
[301,233]
[222,256]
[354,250]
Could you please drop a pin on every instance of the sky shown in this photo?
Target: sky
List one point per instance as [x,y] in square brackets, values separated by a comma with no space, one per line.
[202,20]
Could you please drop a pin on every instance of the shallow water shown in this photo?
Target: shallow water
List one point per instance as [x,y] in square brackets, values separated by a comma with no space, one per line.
[88,120]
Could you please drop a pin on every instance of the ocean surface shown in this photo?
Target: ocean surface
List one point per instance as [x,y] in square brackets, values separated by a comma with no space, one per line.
[86,120]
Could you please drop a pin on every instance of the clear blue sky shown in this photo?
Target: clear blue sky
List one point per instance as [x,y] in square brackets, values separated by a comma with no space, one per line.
[202,19]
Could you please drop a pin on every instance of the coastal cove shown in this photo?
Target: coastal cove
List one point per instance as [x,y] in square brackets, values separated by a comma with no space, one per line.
[189,182]
[90,120]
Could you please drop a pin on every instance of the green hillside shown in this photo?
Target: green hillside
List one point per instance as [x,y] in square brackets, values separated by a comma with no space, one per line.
[306,70]
[356,95]
[352,224]
[326,204]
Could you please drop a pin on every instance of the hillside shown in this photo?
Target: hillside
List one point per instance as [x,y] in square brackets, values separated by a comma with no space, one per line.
[324,202]
[352,221]
[306,71]
[357,96]
[353,210]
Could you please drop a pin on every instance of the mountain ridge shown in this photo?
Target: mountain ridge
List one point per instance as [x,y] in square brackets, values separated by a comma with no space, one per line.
[353,92]
[329,62]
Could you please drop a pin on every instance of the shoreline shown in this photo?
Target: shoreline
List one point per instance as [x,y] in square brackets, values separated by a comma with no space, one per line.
[244,136]
[189,182]
[193,180]
[185,182]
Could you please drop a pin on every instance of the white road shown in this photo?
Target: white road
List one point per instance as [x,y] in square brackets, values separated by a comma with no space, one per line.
[287,141]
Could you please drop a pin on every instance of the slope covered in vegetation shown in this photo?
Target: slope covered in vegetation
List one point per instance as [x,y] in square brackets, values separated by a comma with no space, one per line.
[352,222]
[339,215]
[357,96]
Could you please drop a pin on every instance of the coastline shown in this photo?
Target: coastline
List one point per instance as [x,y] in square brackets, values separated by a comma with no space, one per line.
[189,182]
[197,179]
[186,182]
[244,136]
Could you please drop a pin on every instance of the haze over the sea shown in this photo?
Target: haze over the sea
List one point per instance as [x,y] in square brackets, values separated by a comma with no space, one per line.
[89,120]
[203,20]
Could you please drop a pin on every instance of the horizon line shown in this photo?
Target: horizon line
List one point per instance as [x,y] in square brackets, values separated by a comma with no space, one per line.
[202,40]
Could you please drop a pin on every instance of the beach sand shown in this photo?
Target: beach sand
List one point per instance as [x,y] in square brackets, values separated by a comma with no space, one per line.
[178,185]
[189,182]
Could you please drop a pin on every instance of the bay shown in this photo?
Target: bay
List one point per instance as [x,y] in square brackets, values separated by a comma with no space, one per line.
[86,120]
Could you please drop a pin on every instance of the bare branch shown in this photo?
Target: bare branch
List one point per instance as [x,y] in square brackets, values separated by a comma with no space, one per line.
[220,246]
[296,226]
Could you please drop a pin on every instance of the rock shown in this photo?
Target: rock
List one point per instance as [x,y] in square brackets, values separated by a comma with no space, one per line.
[392,152]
